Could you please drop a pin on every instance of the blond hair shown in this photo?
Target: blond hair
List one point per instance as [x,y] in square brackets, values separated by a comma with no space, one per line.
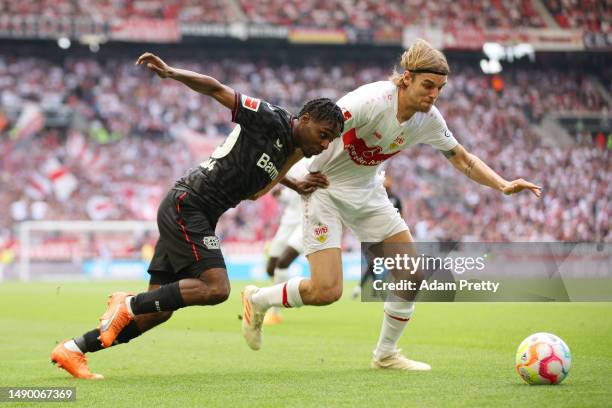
[421,57]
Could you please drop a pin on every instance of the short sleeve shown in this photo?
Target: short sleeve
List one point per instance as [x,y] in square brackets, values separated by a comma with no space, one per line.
[437,133]
[251,113]
[354,109]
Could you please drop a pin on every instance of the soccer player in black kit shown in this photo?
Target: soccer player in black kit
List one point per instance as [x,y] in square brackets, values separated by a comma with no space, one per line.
[188,268]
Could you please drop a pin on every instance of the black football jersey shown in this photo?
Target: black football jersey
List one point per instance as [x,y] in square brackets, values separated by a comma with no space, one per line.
[248,160]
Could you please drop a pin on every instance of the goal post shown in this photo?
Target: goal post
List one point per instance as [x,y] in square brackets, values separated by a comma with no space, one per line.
[76,241]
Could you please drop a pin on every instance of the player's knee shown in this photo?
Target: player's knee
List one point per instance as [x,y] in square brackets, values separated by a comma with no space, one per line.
[218,293]
[327,296]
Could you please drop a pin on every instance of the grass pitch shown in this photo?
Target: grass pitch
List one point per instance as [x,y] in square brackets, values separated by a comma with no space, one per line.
[316,357]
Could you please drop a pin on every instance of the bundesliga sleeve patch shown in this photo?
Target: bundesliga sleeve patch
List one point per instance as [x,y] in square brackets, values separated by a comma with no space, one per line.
[347,115]
[250,103]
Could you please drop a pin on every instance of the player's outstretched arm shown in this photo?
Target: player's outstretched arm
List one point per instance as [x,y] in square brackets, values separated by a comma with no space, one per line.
[198,82]
[478,171]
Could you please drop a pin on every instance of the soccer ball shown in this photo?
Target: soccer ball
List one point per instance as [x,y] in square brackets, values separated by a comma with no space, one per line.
[543,358]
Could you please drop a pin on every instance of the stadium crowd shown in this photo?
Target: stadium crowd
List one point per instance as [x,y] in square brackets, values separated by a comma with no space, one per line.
[393,15]
[127,141]
[186,11]
[593,15]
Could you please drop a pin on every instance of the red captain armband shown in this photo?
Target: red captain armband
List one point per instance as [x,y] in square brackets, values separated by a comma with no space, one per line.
[250,103]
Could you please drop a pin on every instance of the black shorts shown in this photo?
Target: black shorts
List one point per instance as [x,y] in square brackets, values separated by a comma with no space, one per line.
[187,244]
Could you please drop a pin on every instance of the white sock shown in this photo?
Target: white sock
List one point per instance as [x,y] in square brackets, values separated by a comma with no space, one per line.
[286,294]
[128,304]
[71,345]
[280,275]
[397,315]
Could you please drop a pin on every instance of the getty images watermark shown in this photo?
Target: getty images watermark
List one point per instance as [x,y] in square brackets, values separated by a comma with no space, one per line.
[412,264]
[487,272]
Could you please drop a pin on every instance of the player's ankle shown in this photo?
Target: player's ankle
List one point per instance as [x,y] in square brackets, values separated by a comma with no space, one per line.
[128,304]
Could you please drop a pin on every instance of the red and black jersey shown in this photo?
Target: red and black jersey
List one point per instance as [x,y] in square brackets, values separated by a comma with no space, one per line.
[248,160]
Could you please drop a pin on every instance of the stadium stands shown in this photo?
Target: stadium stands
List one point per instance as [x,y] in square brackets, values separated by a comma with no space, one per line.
[181,10]
[593,14]
[128,140]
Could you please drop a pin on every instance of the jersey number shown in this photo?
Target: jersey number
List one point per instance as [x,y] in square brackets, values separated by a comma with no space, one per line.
[222,150]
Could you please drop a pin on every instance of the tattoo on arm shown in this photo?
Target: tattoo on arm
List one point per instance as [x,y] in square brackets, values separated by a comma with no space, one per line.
[469,167]
[448,154]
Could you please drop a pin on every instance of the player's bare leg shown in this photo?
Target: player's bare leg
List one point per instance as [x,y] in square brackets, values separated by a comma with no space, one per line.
[397,313]
[322,288]
[271,265]
[211,288]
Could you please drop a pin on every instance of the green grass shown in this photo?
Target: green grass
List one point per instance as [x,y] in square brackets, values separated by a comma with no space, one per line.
[317,357]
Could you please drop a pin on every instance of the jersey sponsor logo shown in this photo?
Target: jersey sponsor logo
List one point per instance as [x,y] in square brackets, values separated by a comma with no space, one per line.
[268,166]
[250,103]
[320,232]
[211,242]
[347,115]
[361,153]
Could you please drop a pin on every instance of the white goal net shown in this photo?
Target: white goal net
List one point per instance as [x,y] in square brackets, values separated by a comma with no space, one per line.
[84,249]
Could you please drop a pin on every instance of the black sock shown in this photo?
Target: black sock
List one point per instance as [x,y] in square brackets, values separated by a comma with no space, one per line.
[165,299]
[89,343]
[128,333]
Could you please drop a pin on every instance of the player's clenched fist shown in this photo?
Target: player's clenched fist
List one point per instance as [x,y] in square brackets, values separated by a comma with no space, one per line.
[155,64]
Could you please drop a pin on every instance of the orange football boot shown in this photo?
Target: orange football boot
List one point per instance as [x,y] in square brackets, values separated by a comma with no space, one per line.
[73,362]
[272,318]
[114,319]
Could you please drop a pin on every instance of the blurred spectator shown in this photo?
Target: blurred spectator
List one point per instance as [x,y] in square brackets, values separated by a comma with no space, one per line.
[127,141]
[592,15]
[360,14]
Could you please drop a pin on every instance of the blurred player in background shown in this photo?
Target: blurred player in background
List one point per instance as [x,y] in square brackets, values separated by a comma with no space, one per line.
[287,244]
[188,267]
[397,203]
[381,119]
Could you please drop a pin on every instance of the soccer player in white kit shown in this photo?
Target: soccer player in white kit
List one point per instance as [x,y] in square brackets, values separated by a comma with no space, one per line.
[381,119]
[287,243]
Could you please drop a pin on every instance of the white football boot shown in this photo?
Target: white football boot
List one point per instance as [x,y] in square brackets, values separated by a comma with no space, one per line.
[252,318]
[397,361]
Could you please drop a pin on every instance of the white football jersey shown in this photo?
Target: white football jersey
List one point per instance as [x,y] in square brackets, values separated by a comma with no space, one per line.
[372,134]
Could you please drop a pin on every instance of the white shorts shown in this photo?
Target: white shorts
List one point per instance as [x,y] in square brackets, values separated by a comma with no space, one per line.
[287,235]
[367,212]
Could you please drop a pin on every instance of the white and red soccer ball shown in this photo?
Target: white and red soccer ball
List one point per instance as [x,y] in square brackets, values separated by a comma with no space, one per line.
[543,358]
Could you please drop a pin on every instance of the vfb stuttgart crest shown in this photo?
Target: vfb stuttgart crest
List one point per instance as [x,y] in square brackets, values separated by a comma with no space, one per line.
[400,140]
[320,232]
